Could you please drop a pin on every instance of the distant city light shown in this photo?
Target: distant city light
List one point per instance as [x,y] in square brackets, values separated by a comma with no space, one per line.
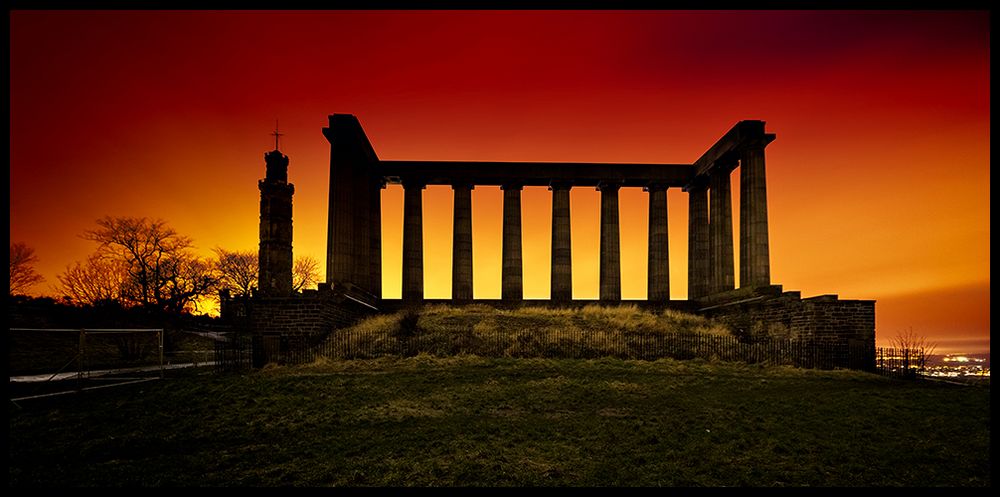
[962,358]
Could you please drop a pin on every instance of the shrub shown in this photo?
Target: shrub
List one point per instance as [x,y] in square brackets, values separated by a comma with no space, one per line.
[408,324]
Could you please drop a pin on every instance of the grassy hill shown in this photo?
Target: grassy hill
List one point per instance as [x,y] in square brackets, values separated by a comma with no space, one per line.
[588,332]
[473,421]
[483,319]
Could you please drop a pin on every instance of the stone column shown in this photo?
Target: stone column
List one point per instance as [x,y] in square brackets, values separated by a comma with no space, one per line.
[721,229]
[511,277]
[361,209]
[755,264]
[698,248]
[610,266]
[461,258]
[375,235]
[340,243]
[562,262]
[658,289]
[413,245]
[349,249]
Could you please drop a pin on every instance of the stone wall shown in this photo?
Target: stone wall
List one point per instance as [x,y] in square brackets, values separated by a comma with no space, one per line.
[843,326]
[280,327]
[313,312]
[842,331]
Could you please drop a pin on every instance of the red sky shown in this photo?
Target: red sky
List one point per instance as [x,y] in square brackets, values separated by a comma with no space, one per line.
[878,182]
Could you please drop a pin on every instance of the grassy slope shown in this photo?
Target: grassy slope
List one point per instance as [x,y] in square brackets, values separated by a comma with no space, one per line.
[591,331]
[539,320]
[472,421]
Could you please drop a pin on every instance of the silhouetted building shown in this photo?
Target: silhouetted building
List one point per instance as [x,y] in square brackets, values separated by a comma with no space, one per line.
[357,176]
[275,254]
[753,308]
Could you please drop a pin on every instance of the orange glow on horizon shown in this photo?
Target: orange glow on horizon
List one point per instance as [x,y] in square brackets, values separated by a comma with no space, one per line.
[878,181]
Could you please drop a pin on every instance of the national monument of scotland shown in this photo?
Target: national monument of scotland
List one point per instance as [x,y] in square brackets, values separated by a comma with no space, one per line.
[353,286]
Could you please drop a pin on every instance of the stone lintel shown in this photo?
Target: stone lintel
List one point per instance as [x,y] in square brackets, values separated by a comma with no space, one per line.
[743,134]
[534,173]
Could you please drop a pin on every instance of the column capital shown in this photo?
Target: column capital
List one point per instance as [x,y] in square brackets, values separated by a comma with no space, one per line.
[758,143]
[611,185]
[698,184]
[512,185]
[560,184]
[412,183]
[725,164]
[463,185]
[655,187]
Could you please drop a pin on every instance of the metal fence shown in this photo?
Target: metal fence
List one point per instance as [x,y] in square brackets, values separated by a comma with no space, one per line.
[900,362]
[247,351]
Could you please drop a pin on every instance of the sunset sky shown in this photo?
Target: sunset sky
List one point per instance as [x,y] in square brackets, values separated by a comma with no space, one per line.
[878,181]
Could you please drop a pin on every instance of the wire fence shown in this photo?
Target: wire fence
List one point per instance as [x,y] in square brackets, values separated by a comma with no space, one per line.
[60,353]
[243,352]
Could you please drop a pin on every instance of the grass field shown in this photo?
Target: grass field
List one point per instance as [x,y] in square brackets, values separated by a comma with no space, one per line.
[496,422]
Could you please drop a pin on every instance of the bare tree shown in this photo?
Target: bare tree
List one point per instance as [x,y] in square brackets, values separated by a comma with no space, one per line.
[237,270]
[305,273]
[918,346]
[186,280]
[148,248]
[160,265]
[97,279]
[22,272]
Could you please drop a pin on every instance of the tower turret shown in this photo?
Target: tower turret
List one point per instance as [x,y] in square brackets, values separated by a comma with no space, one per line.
[275,254]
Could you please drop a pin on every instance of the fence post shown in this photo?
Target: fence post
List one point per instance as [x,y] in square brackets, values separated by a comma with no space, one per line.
[160,333]
[80,362]
[906,363]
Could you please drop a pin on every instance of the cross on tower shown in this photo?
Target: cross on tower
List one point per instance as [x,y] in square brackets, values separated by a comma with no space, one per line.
[276,134]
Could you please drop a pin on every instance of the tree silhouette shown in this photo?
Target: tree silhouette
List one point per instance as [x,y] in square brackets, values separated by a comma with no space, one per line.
[305,273]
[238,270]
[22,272]
[189,279]
[918,345]
[99,279]
[159,265]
